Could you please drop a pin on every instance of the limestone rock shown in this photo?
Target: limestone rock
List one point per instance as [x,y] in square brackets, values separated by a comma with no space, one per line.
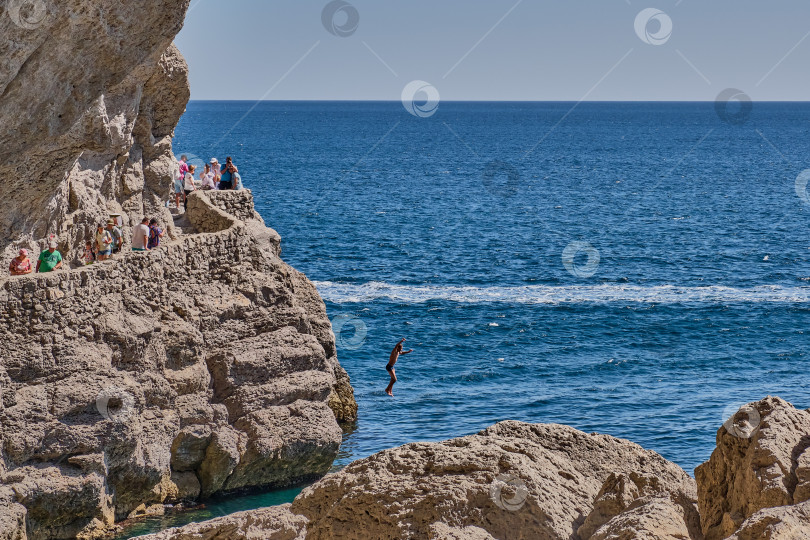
[90,98]
[186,487]
[221,458]
[142,511]
[60,501]
[127,380]
[781,523]
[120,383]
[632,505]
[542,482]
[274,523]
[442,531]
[650,518]
[512,480]
[12,516]
[753,468]
[189,446]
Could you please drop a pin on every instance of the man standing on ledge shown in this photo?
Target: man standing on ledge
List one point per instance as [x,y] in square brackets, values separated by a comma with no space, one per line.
[390,367]
[140,236]
[50,259]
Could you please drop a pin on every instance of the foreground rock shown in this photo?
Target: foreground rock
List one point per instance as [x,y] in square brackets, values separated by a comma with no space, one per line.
[541,482]
[512,480]
[782,523]
[761,462]
[276,522]
[203,367]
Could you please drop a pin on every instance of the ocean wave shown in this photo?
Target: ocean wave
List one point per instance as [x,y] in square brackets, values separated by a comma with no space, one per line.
[347,293]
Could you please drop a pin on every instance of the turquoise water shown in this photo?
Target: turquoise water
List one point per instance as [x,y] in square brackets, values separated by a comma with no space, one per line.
[636,269]
[213,509]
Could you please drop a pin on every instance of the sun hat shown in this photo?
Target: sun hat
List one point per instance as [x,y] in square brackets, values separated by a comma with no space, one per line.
[52,244]
[24,252]
[110,222]
[214,160]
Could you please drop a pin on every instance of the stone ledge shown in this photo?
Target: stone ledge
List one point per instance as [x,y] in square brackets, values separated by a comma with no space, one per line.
[220,236]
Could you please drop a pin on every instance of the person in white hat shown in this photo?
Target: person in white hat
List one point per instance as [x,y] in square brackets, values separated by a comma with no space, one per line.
[50,259]
[215,168]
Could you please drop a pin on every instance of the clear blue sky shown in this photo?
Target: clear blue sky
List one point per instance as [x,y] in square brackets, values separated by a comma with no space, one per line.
[541,50]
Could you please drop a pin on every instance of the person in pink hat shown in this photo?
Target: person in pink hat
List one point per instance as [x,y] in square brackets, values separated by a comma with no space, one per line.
[21,264]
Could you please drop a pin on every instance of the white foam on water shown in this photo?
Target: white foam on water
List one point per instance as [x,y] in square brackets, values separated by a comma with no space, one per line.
[346,293]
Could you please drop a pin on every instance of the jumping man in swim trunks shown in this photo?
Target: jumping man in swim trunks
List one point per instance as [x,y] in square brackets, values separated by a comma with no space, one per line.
[393,360]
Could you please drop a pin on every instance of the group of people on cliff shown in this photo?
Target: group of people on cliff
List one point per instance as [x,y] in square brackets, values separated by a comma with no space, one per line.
[49,260]
[211,177]
[107,241]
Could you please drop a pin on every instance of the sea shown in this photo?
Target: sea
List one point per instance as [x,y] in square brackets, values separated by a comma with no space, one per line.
[636,269]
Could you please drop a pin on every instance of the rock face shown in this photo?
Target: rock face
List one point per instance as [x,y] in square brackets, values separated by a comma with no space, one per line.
[542,482]
[761,461]
[202,367]
[512,480]
[89,98]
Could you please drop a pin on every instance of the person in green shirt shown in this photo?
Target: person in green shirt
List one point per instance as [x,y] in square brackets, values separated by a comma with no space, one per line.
[50,259]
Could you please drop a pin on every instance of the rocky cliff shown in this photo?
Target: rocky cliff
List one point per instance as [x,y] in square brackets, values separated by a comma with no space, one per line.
[90,93]
[206,366]
[551,482]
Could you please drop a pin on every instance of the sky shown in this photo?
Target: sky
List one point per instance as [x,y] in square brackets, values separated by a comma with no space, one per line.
[529,50]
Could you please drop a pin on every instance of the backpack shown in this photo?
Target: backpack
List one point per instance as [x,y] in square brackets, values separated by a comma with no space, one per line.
[153,238]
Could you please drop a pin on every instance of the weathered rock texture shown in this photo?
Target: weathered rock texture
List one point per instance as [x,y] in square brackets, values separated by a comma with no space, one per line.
[744,475]
[781,523]
[202,367]
[90,93]
[512,481]
[205,366]
[542,482]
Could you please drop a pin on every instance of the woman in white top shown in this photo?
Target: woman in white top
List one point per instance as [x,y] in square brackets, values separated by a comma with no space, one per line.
[215,168]
[207,178]
[188,185]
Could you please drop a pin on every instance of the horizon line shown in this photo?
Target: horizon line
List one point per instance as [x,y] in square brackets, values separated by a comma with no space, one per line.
[487,101]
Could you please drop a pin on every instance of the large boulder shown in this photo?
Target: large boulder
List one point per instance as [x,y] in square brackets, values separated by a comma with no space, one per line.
[761,461]
[511,481]
[782,523]
[274,523]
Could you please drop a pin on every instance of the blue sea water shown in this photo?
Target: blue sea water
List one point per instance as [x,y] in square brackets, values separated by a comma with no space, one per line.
[635,269]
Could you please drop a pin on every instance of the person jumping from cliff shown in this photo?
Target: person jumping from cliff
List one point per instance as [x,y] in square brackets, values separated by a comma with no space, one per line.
[390,367]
